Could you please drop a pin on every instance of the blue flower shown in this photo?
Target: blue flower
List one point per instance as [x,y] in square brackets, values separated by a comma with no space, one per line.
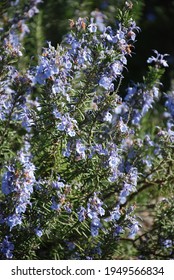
[68,208]
[108,117]
[122,126]
[158,60]
[118,230]
[14,220]
[81,214]
[109,35]
[55,206]
[80,149]
[7,248]
[106,83]
[92,27]
[95,222]
[117,68]
[45,70]
[94,207]
[114,160]
[67,152]
[99,19]
[94,230]
[170,103]
[167,243]
[134,229]
[58,185]
[8,182]
[133,176]
[131,91]
[39,232]
[137,116]
[115,214]
[100,150]
[67,124]
[125,192]
[21,208]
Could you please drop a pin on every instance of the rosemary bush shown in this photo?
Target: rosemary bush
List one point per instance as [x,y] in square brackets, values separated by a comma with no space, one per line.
[80,163]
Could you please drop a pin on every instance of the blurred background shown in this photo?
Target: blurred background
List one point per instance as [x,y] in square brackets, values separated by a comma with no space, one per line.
[154,17]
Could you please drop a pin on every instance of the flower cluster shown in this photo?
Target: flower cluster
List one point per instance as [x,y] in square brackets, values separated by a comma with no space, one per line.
[94,211]
[7,247]
[18,186]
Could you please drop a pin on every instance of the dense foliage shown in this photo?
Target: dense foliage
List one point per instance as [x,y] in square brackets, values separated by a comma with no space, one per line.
[86,171]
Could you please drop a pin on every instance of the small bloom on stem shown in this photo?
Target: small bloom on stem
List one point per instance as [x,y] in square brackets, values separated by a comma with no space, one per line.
[6,247]
[158,60]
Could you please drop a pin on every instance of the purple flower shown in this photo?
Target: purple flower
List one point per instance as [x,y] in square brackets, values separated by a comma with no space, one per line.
[21,208]
[158,60]
[80,149]
[167,243]
[75,44]
[131,91]
[121,109]
[170,103]
[170,132]
[84,57]
[33,10]
[39,232]
[118,230]
[100,150]
[125,192]
[94,207]
[68,208]
[81,214]
[57,114]
[55,206]
[99,19]
[114,176]
[133,176]
[108,117]
[109,35]
[14,220]
[94,230]
[137,116]
[134,229]
[61,126]
[7,248]
[8,182]
[95,222]
[123,196]
[23,29]
[67,152]
[114,160]
[115,214]
[106,83]
[67,124]
[45,70]
[148,141]
[58,185]
[92,27]
[67,63]
[122,126]
[117,68]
